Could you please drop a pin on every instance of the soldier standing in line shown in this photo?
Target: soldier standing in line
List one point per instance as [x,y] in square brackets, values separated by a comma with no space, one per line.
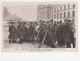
[12,30]
[15,33]
[26,32]
[59,31]
[52,30]
[37,32]
[41,33]
[21,32]
[52,34]
[31,32]
[47,35]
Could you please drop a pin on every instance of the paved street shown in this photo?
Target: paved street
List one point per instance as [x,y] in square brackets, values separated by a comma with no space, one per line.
[25,44]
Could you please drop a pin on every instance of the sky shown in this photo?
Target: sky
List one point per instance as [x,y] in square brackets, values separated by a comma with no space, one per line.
[27,11]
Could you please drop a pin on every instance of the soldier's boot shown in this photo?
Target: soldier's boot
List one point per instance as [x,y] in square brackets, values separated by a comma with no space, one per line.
[40,39]
[10,41]
[68,45]
[15,41]
[30,40]
[33,41]
[20,41]
[73,45]
[52,45]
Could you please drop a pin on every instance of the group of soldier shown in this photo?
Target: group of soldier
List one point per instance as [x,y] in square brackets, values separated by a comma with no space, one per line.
[43,32]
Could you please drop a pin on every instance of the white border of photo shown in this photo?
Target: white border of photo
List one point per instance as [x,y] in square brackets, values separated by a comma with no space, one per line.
[41,56]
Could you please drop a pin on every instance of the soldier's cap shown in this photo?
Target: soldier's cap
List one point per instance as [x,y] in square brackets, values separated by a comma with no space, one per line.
[40,20]
[35,22]
[24,22]
[27,23]
[21,22]
[69,20]
[57,22]
[47,21]
[11,23]
[43,21]
[60,21]
[51,20]
[18,21]
[31,22]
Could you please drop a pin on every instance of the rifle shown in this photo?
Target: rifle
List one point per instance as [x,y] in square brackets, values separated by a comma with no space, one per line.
[37,38]
[43,39]
[38,34]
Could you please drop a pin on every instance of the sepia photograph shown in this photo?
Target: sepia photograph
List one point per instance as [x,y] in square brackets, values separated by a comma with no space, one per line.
[39,26]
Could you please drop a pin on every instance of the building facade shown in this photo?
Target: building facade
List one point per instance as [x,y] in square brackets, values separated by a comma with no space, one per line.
[63,12]
[44,12]
[60,12]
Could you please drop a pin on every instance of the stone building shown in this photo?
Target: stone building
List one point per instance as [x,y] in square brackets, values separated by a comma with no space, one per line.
[44,12]
[59,12]
[63,12]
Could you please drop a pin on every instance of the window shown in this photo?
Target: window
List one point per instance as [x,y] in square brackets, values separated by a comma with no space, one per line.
[73,13]
[47,11]
[68,6]
[43,16]
[73,21]
[58,8]
[73,5]
[64,7]
[52,10]
[43,11]
[68,14]
[48,16]
[54,15]
[61,8]
[60,15]
[55,10]
[64,14]
[57,15]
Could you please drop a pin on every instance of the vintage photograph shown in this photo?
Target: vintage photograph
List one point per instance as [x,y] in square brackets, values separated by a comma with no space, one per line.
[39,26]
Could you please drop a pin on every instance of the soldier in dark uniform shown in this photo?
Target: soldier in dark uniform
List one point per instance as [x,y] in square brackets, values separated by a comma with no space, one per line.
[27,35]
[50,38]
[68,35]
[58,34]
[47,38]
[31,32]
[21,32]
[41,31]
[15,33]
[37,32]
[26,32]
[12,30]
